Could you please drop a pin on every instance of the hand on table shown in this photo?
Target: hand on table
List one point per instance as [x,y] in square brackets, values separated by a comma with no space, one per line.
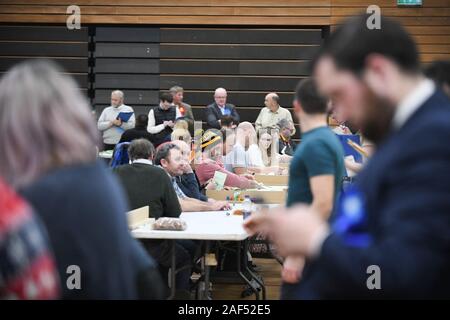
[223,205]
[219,205]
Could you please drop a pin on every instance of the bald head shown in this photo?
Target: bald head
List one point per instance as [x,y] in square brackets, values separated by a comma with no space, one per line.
[220,96]
[184,147]
[185,153]
[271,101]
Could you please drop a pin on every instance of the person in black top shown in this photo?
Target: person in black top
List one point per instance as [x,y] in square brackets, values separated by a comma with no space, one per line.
[149,185]
[161,119]
[139,131]
[219,109]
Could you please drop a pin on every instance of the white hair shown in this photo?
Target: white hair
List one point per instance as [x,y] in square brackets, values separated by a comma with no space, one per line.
[220,90]
[117,93]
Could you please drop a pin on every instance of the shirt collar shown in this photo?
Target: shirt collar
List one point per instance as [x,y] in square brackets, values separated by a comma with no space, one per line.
[143,161]
[412,102]
[276,112]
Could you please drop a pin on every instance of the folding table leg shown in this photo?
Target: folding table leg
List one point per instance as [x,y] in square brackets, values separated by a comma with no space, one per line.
[172,271]
[241,274]
[252,274]
[206,295]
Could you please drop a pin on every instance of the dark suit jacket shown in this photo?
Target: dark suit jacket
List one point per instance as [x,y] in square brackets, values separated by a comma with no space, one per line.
[213,115]
[189,185]
[406,188]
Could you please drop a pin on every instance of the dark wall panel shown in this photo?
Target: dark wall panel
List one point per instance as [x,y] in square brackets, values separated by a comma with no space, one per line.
[42,33]
[44,49]
[282,36]
[126,81]
[127,58]
[112,65]
[76,65]
[123,34]
[241,52]
[288,68]
[128,50]
[68,48]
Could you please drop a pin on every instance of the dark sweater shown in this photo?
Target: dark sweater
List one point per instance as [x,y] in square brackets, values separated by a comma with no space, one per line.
[84,208]
[136,133]
[147,185]
[189,185]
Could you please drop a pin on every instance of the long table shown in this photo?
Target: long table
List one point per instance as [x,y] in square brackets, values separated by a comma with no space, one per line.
[207,226]
[270,194]
[272,180]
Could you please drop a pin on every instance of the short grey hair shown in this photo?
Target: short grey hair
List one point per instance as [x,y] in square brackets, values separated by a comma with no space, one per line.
[45,123]
[118,93]
[176,89]
[285,123]
[141,149]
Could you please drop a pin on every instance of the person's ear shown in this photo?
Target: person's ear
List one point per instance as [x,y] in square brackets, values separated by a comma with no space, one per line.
[164,163]
[377,73]
[297,106]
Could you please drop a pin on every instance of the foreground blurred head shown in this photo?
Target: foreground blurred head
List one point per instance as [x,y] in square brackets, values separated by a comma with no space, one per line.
[45,123]
[364,71]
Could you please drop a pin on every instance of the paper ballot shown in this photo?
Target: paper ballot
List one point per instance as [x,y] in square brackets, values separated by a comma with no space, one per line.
[219,179]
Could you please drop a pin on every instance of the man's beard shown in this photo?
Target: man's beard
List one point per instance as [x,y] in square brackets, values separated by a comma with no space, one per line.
[376,124]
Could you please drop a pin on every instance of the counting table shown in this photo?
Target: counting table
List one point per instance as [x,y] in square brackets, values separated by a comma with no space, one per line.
[269,194]
[207,226]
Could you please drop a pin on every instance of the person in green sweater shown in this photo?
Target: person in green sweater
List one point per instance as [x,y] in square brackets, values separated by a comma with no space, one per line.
[316,170]
[149,185]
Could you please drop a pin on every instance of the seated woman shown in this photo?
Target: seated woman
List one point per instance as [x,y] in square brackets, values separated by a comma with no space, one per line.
[51,160]
[269,154]
[212,152]
[181,134]
[246,136]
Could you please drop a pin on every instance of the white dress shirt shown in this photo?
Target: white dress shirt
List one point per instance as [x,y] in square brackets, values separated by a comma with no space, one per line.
[413,101]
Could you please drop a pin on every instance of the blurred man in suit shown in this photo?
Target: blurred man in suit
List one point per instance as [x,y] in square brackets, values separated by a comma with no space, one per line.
[220,108]
[390,237]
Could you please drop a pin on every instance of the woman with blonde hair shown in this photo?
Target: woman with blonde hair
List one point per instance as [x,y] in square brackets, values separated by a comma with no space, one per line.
[181,134]
[48,145]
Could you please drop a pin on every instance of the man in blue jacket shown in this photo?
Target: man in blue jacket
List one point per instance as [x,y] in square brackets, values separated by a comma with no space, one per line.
[390,238]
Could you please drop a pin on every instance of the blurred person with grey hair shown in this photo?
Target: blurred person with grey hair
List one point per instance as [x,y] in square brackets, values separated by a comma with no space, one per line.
[183,110]
[220,108]
[48,153]
[286,146]
[110,124]
[272,114]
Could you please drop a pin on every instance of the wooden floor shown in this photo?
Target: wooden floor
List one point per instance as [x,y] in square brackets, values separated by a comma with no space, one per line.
[270,271]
